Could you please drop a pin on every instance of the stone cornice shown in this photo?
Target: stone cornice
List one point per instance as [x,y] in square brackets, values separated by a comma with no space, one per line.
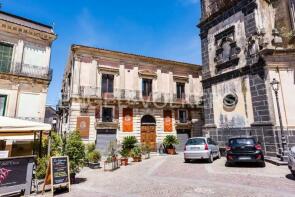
[110,70]
[135,58]
[17,29]
[180,78]
[147,73]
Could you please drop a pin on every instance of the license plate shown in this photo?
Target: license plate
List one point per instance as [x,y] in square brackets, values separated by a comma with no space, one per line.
[195,148]
[244,158]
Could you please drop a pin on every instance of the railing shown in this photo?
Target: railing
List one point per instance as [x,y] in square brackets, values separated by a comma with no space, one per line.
[136,95]
[28,71]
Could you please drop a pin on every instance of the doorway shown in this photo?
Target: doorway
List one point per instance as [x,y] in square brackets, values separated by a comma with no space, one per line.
[148,132]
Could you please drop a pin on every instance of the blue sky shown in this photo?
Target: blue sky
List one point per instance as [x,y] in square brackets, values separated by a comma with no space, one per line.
[157,28]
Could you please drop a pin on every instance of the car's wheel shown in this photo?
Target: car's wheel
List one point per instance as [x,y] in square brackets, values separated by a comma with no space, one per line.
[210,159]
[219,155]
[187,160]
[227,164]
[262,164]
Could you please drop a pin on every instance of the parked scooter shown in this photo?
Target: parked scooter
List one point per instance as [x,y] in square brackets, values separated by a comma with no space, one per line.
[291,162]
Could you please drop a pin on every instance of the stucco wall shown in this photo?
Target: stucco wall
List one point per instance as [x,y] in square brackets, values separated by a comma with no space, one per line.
[286,77]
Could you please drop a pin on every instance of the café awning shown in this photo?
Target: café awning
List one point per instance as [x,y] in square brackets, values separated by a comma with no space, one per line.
[17,125]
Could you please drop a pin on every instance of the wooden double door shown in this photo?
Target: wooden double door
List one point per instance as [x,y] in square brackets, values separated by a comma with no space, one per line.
[148,136]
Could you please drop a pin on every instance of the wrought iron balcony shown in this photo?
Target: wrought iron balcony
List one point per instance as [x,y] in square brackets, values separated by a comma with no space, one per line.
[136,95]
[28,70]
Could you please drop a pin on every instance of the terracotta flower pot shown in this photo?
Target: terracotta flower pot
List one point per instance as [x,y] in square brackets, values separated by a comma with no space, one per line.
[171,151]
[137,159]
[124,161]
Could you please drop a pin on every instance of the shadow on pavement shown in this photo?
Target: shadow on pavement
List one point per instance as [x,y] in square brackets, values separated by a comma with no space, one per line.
[290,177]
[79,180]
[246,165]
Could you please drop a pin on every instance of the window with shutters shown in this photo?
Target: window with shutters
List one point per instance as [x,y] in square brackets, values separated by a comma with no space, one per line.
[183,116]
[107,83]
[147,87]
[3,99]
[5,57]
[107,114]
[292,12]
[180,88]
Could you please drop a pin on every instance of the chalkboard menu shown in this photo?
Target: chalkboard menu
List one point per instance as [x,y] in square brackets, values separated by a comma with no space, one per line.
[60,170]
[13,171]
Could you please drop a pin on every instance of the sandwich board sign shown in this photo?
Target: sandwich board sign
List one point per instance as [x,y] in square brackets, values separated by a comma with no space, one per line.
[58,173]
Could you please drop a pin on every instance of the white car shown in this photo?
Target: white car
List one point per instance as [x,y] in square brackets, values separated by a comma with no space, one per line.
[291,162]
[201,148]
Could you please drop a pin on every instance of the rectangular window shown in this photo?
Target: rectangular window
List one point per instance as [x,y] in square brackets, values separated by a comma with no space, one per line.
[107,83]
[147,87]
[5,57]
[182,116]
[3,100]
[107,114]
[180,88]
[292,12]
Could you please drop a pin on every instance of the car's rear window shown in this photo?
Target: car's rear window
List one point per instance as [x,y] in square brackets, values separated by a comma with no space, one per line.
[196,141]
[241,141]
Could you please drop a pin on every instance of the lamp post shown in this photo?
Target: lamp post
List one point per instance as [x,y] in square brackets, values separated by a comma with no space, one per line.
[284,152]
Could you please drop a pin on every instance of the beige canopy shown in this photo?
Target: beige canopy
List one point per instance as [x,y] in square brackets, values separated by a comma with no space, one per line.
[17,125]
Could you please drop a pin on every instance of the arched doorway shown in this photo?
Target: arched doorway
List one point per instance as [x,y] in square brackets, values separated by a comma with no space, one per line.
[148,132]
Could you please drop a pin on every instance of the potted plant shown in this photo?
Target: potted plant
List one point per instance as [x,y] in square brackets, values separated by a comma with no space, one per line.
[136,154]
[124,156]
[111,163]
[146,151]
[93,156]
[129,142]
[75,150]
[169,142]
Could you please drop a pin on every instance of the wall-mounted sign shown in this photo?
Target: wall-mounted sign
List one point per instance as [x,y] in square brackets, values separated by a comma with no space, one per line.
[127,120]
[83,125]
[168,121]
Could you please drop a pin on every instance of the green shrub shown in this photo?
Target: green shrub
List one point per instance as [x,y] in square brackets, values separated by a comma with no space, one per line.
[75,149]
[170,141]
[41,167]
[129,142]
[56,148]
[136,151]
[94,156]
[90,147]
[125,153]
[145,149]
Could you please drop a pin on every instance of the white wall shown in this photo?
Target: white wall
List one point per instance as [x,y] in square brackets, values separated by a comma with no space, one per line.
[286,77]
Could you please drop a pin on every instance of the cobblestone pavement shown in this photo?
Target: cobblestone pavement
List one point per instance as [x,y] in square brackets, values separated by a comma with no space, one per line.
[169,176]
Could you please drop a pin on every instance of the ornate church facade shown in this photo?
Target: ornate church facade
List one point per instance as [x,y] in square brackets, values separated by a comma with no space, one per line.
[246,44]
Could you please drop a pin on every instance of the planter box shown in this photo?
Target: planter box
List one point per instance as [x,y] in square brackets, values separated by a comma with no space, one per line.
[137,159]
[147,156]
[93,165]
[171,151]
[124,161]
[111,165]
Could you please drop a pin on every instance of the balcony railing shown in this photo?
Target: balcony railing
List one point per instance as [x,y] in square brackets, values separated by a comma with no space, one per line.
[136,95]
[28,71]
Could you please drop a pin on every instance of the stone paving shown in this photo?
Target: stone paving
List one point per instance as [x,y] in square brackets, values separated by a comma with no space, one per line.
[169,176]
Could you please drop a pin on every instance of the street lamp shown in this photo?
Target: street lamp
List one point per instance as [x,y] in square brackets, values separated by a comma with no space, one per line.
[284,153]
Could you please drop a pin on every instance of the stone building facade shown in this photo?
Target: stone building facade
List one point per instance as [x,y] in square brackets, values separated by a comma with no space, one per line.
[108,95]
[25,48]
[245,44]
